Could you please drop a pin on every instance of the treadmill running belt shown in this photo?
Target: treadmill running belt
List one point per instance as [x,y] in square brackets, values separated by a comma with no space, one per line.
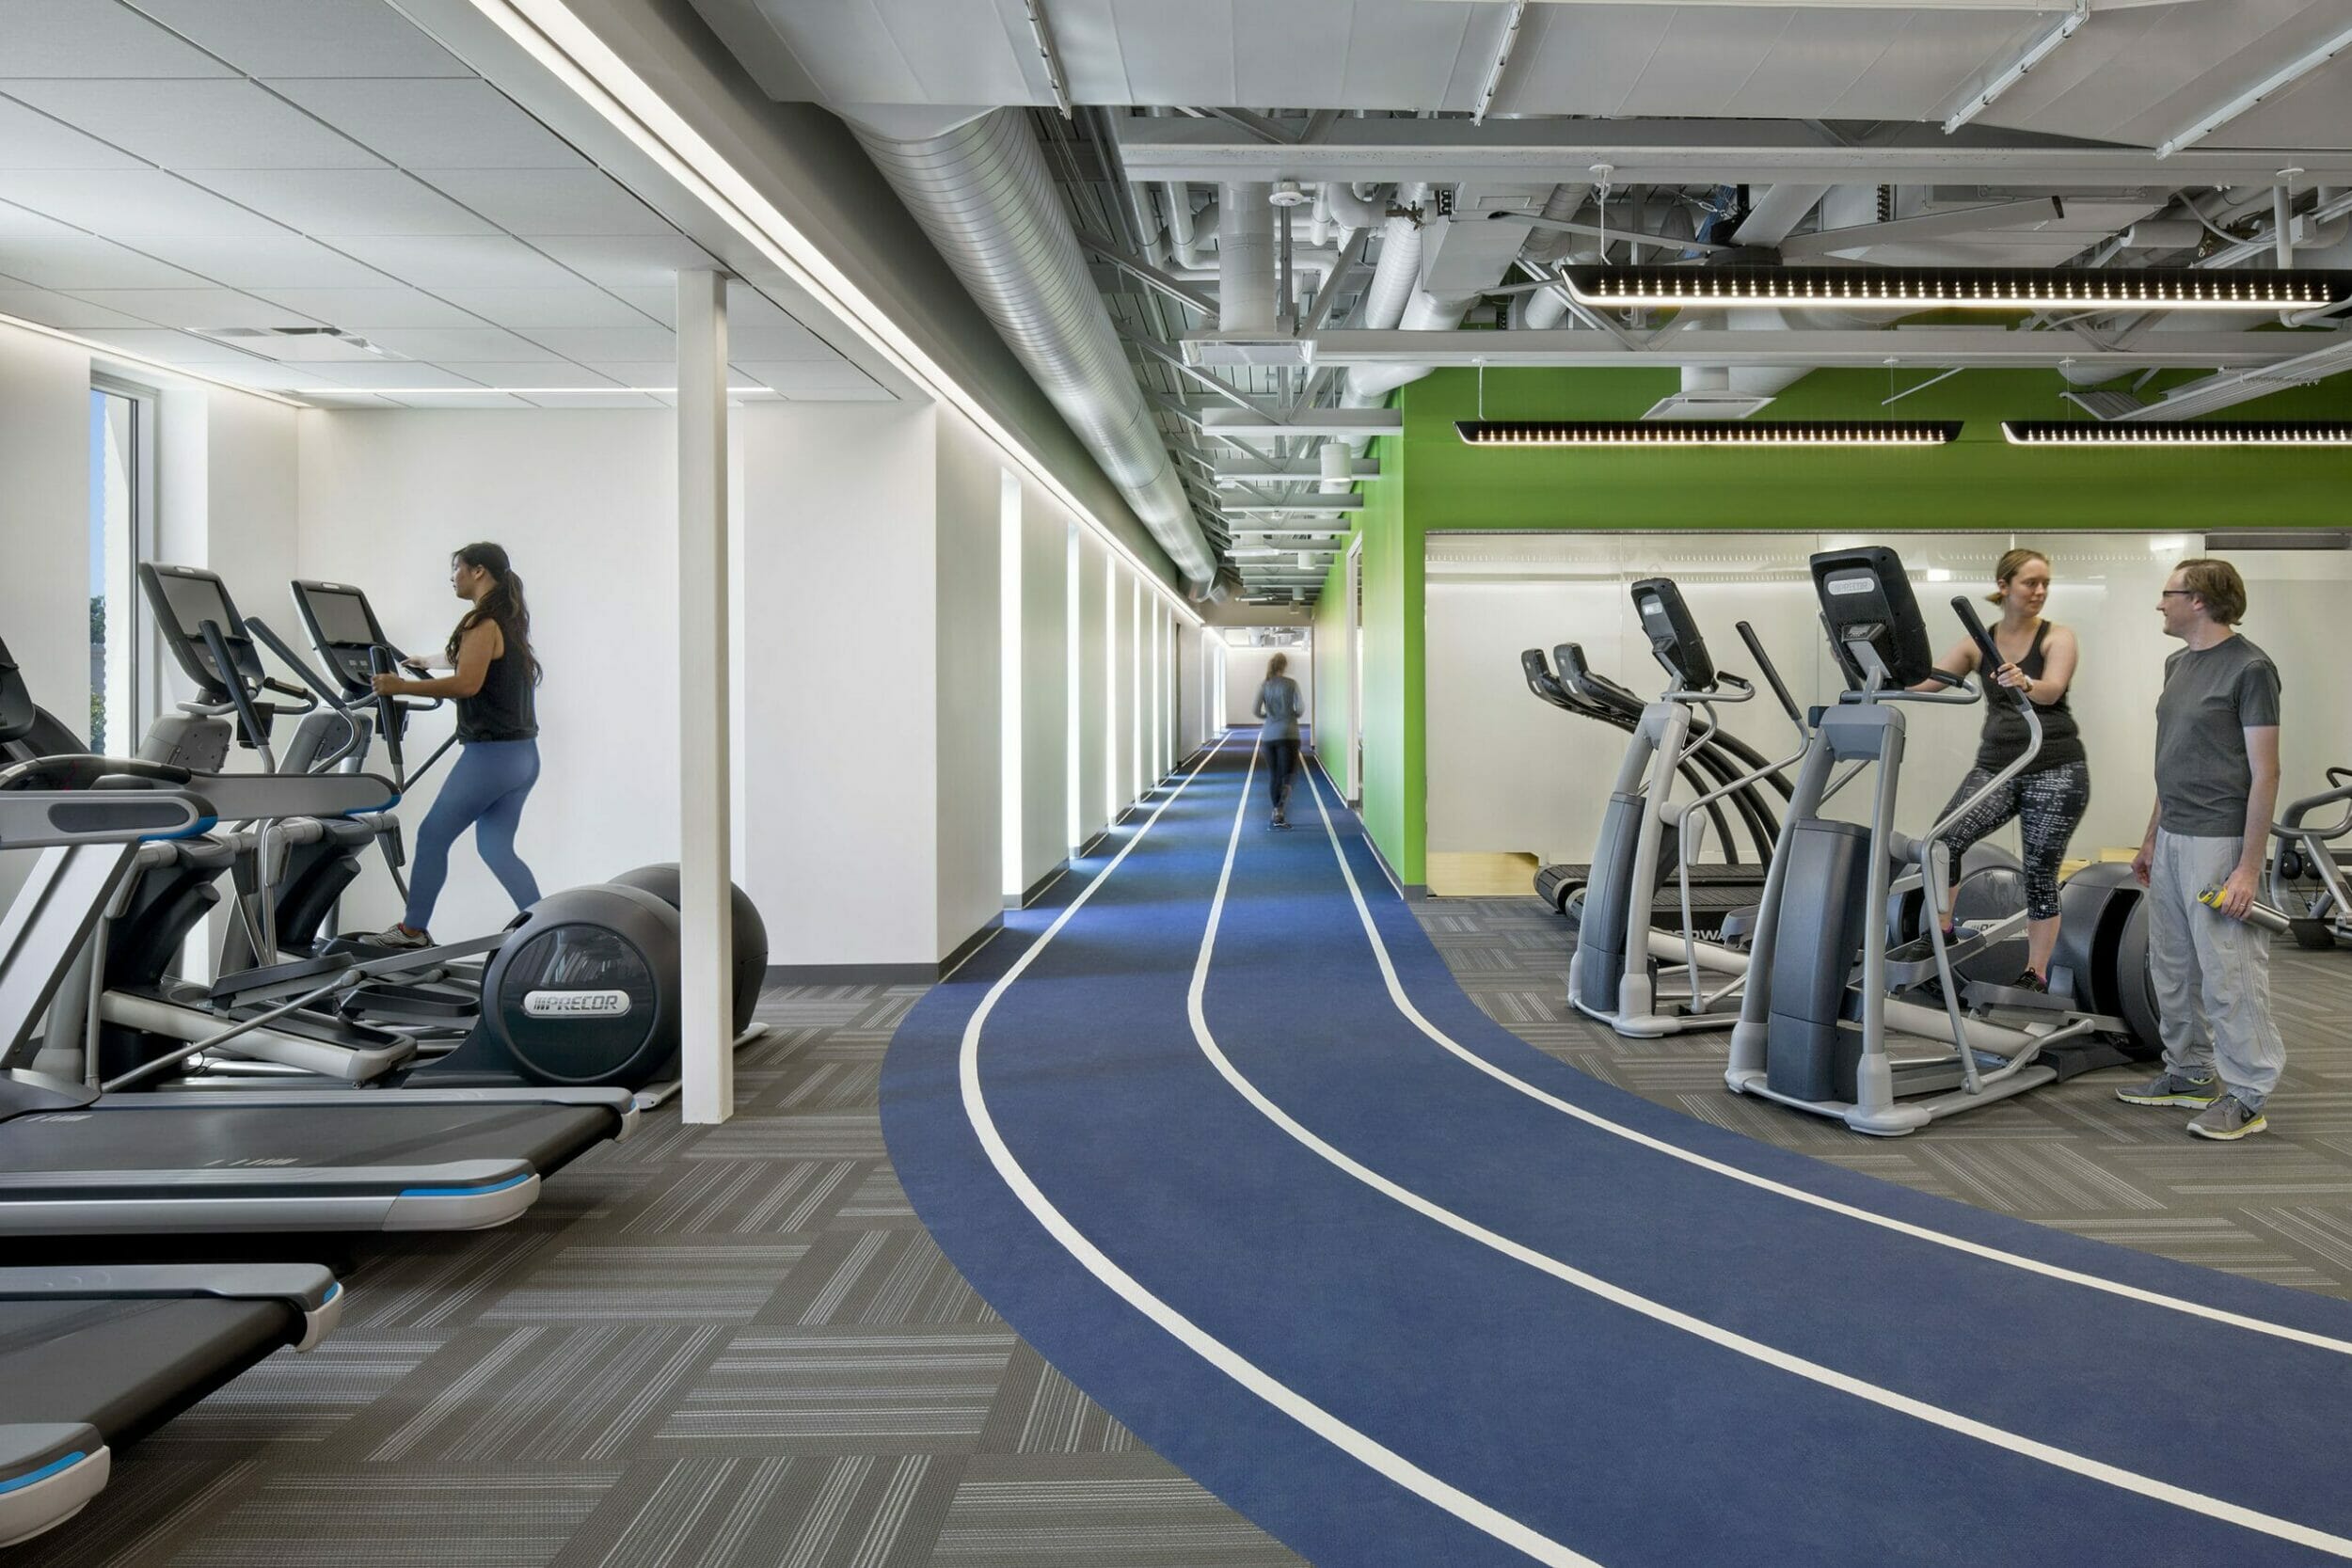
[127,1367]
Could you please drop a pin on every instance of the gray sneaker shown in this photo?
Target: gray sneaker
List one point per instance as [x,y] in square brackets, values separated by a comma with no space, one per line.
[2229,1118]
[2172,1089]
[398,938]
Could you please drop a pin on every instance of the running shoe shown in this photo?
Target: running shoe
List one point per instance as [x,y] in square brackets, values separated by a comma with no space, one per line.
[2172,1089]
[2228,1119]
[399,937]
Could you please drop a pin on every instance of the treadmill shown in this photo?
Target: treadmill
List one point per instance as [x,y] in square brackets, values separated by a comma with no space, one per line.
[94,1357]
[79,1161]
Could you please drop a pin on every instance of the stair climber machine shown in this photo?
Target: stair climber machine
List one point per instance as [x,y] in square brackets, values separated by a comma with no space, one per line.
[1821,1007]
[581,991]
[1717,758]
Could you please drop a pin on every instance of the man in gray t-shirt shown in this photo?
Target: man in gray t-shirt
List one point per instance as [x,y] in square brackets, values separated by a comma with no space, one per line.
[2217,786]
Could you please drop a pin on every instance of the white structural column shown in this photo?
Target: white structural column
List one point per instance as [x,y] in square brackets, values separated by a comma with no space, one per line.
[706,808]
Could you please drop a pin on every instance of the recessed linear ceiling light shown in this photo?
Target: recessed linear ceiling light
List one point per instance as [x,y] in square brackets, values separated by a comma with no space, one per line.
[1706,433]
[1954,288]
[2261,432]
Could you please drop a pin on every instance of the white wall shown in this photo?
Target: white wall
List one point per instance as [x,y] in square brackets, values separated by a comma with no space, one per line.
[1045,654]
[968,822]
[585,503]
[1094,686]
[215,452]
[1244,673]
[1508,774]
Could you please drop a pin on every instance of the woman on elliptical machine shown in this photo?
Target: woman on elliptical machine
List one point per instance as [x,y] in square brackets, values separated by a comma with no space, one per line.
[2048,801]
[493,671]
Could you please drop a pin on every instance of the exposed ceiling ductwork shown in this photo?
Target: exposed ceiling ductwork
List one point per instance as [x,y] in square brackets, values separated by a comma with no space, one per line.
[982,193]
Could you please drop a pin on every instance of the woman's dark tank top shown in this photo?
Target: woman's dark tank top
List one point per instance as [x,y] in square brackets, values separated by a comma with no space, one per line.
[503,709]
[2005,733]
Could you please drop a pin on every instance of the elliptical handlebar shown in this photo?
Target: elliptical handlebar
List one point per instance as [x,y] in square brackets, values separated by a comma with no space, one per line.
[1771,672]
[248,713]
[319,691]
[1987,650]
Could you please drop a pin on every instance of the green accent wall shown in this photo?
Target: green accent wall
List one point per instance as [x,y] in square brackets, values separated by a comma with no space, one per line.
[1430,480]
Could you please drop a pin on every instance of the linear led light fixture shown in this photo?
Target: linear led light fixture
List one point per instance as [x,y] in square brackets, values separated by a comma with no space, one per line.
[2037,52]
[507,392]
[571,52]
[2294,70]
[1707,433]
[2218,433]
[1953,288]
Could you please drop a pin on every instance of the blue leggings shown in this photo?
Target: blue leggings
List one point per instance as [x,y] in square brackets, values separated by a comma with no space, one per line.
[485,791]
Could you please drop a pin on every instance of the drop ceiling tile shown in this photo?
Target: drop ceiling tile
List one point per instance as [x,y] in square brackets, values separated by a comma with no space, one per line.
[620,262]
[472,403]
[644,372]
[435,124]
[15,222]
[308,37]
[458,345]
[747,308]
[589,344]
[533,201]
[62,312]
[526,308]
[801,378]
[867,393]
[273,378]
[347,400]
[335,203]
[383,374]
[282,261]
[131,203]
[77,263]
[592,400]
[195,309]
[196,124]
[369,310]
[94,38]
[790,340]
[458,262]
[172,348]
[316,349]
[30,139]
[535,373]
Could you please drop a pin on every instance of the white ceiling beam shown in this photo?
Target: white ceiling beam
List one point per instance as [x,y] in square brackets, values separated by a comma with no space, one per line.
[1680,150]
[1239,424]
[1245,472]
[1974,346]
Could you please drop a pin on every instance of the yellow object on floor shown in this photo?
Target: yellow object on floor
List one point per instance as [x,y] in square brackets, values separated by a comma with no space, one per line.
[1481,875]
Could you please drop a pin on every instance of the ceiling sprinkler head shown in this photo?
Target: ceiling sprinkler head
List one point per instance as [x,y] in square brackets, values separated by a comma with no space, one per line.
[1287,194]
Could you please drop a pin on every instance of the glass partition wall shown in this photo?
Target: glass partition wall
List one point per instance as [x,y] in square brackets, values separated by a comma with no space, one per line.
[1506,772]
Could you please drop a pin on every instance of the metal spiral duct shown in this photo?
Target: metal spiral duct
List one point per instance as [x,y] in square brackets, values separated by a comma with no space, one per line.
[981,192]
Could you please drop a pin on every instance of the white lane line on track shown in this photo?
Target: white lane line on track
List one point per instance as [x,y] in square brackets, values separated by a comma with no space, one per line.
[1316,1419]
[1756,1350]
[1403,1005]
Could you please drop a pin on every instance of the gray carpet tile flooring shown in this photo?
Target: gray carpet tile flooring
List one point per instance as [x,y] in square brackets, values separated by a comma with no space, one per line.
[730,1347]
[712,1347]
[2276,1206]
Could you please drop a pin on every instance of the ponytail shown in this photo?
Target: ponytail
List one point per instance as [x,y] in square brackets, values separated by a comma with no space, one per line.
[504,604]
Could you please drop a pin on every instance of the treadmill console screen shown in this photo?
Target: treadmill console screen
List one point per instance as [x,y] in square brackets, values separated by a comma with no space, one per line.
[1673,636]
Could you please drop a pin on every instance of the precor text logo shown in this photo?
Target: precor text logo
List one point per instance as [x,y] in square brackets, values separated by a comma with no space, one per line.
[576,1003]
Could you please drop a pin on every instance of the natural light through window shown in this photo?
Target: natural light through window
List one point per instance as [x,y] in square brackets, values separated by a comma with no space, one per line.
[1009,666]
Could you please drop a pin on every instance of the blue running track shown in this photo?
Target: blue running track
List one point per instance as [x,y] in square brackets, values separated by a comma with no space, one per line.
[1215,1130]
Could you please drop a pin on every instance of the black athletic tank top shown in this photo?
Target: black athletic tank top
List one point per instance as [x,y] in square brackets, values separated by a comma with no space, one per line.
[2005,735]
[503,709]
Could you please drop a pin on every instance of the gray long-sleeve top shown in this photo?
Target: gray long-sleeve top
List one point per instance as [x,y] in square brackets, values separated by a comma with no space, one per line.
[1278,705]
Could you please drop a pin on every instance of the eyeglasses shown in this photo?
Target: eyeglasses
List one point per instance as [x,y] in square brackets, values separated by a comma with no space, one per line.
[2168,593]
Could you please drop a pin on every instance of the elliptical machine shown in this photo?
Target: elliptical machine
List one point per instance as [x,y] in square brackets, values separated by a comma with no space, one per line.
[1816,1016]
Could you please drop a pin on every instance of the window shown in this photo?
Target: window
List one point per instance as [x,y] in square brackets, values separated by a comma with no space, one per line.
[121,422]
[1076,732]
[1009,735]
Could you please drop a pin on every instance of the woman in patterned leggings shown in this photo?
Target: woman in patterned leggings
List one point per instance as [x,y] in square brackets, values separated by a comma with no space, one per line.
[2049,799]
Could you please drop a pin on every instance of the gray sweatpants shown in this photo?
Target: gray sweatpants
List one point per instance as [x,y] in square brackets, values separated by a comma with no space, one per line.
[2212,973]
